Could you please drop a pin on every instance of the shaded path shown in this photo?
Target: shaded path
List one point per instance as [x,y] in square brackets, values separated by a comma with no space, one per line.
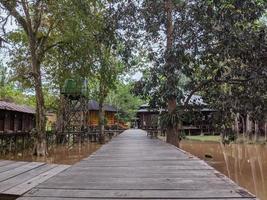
[133,166]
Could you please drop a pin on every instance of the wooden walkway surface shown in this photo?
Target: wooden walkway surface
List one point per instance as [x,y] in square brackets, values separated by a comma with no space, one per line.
[16,178]
[133,166]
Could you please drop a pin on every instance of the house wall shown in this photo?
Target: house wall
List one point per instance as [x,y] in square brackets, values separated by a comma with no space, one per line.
[11,121]
[147,119]
[94,118]
[110,116]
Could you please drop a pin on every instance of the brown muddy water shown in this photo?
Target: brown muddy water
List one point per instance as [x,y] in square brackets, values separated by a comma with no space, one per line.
[58,154]
[246,164]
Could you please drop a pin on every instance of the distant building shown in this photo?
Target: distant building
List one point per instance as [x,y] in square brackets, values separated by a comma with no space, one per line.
[16,118]
[87,116]
[148,118]
[110,111]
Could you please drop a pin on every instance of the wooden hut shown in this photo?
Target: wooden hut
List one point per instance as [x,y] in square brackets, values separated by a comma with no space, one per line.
[16,118]
[198,122]
[147,117]
[110,111]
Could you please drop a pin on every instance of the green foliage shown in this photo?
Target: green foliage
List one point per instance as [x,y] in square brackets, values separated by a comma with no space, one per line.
[219,46]
[125,101]
[3,72]
[172,119]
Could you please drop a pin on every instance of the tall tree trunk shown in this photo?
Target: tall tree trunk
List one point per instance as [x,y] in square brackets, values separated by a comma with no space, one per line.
[243,127]
[256,131]
[236,125]
[60,123]
[223,134]
[249,127]
[40,146]
[101,122]
[27,24]
[172,130]
[265,130]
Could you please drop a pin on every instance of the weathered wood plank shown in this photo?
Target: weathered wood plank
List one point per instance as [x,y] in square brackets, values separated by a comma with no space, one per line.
[5,162]
[26,186]
[152,194]
[136,173]
[133,166]
[63,198]
[160,163]
[11,166]
[12,182]
[19,170]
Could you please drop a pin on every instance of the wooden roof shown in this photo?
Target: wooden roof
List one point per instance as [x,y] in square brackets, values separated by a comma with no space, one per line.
[16,108]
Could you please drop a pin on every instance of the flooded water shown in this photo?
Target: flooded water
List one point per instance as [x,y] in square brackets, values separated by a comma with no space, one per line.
[246,164]
[58,154]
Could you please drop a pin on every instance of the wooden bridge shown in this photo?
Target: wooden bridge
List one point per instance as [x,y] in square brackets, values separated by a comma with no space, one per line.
[133,166]
[16,178]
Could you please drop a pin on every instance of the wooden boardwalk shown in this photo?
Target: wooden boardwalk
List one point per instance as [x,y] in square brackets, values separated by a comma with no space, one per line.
[16,178]
[133,166]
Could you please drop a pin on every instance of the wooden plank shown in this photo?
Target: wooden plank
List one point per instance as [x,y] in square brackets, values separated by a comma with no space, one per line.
[11,166]
[136,173]
[145,184]
[5,162]
[63,198]
[152,167]
[26,186]
[160,163]
[14,181]
[152,194]
[132,166]
[19,170]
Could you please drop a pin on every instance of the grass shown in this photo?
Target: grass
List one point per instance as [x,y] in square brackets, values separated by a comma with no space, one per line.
[205,138]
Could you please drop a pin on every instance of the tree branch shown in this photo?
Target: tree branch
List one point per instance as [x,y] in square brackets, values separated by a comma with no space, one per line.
[201,85]
[12,10]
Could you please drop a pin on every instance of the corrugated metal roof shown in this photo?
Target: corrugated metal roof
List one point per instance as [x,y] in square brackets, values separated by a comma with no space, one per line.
[144,110]
[15,107]
[195,100]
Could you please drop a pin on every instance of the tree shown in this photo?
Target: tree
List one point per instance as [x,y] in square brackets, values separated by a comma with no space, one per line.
[168,35]
[33,37]
[106,75]
[125,101]
[99,49]
[214,43]
[3,72]
[231,62]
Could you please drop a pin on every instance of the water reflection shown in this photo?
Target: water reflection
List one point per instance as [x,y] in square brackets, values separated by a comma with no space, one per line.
[245,164]
[59,154]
